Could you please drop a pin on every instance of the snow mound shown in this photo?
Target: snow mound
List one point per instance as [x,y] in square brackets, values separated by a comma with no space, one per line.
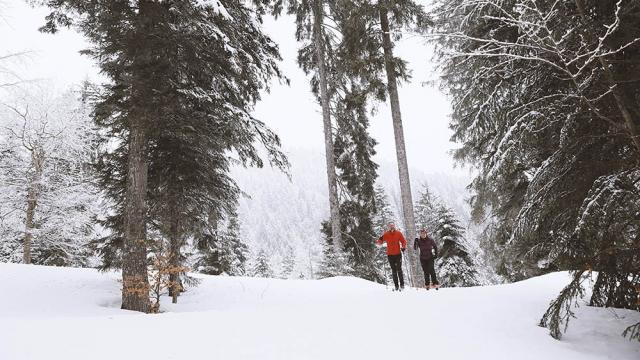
[63,313]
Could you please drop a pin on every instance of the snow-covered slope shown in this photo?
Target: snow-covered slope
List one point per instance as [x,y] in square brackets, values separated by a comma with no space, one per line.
[61,313]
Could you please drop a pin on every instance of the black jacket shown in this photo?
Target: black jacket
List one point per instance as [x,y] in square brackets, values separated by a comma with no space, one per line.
[427,246]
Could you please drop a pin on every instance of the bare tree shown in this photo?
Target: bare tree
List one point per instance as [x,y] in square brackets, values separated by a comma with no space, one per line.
[33,140]
[9,78]
[46,186]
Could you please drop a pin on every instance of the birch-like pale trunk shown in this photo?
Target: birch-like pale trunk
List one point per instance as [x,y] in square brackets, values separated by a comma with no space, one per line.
[401,154]
[33,191]
[328,133]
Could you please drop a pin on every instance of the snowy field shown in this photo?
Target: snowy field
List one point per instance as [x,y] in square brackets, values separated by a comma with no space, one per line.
[61,313]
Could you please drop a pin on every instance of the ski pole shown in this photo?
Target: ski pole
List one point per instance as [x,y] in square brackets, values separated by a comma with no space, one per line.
[407,266]
[384,271]
[386,279]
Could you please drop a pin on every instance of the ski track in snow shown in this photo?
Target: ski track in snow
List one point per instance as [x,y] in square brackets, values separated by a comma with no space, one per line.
[61,313]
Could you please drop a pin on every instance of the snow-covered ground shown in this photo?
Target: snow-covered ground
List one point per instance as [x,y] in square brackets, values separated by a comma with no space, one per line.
[61,313]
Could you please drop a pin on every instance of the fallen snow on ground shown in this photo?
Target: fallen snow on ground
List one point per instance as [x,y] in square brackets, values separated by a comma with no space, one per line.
[61,313]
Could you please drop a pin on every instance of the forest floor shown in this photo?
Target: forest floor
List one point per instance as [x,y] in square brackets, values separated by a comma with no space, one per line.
[61,313]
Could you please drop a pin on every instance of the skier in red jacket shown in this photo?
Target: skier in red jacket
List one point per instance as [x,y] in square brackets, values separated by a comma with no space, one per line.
[395,244]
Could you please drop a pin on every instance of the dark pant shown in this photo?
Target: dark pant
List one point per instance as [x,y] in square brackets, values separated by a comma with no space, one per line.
[396,269]
[429,271]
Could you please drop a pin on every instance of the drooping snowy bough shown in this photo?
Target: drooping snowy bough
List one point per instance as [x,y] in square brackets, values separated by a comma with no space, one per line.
[546,103]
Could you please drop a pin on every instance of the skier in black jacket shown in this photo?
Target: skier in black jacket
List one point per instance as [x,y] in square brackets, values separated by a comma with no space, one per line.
[428,255]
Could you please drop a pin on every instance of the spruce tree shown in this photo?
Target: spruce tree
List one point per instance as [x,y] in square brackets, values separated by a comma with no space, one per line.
[366,69]
[353,88]
[426,217]
[354,149]
[546,116]
[333,263]
[382,217]
[426,209]
[261,266]
[128,55]
[184,77]
[356,55]
[454,265]
[383,211]
[288,263]
[220,248]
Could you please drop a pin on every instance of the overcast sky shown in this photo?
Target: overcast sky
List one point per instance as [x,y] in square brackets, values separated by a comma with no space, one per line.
[289,110]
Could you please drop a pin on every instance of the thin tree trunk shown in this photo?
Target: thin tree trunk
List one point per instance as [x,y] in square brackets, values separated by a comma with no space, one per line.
[37,160]
[135,281]
[403,169]
[174,254]
[31,206]
[328,134]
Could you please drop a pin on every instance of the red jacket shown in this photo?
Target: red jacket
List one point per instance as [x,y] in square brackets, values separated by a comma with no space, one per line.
[393,239]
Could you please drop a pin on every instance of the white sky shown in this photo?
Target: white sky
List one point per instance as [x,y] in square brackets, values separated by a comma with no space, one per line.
[289,110]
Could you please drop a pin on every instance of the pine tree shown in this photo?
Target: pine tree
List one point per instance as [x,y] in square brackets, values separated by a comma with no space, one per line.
[426,217]
[354,149]
[333,263]
[383,214]
[362,60]
[454,265]
[352,50]
[221,249]
[353,89]
[542,114]
[288,263]
[261,267]
[382,217]
[185,76]
[426,209]
[235,249]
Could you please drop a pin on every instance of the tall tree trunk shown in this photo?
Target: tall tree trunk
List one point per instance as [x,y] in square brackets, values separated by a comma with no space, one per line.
[135,281]
[336,233]
[401,154]
[37,161]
